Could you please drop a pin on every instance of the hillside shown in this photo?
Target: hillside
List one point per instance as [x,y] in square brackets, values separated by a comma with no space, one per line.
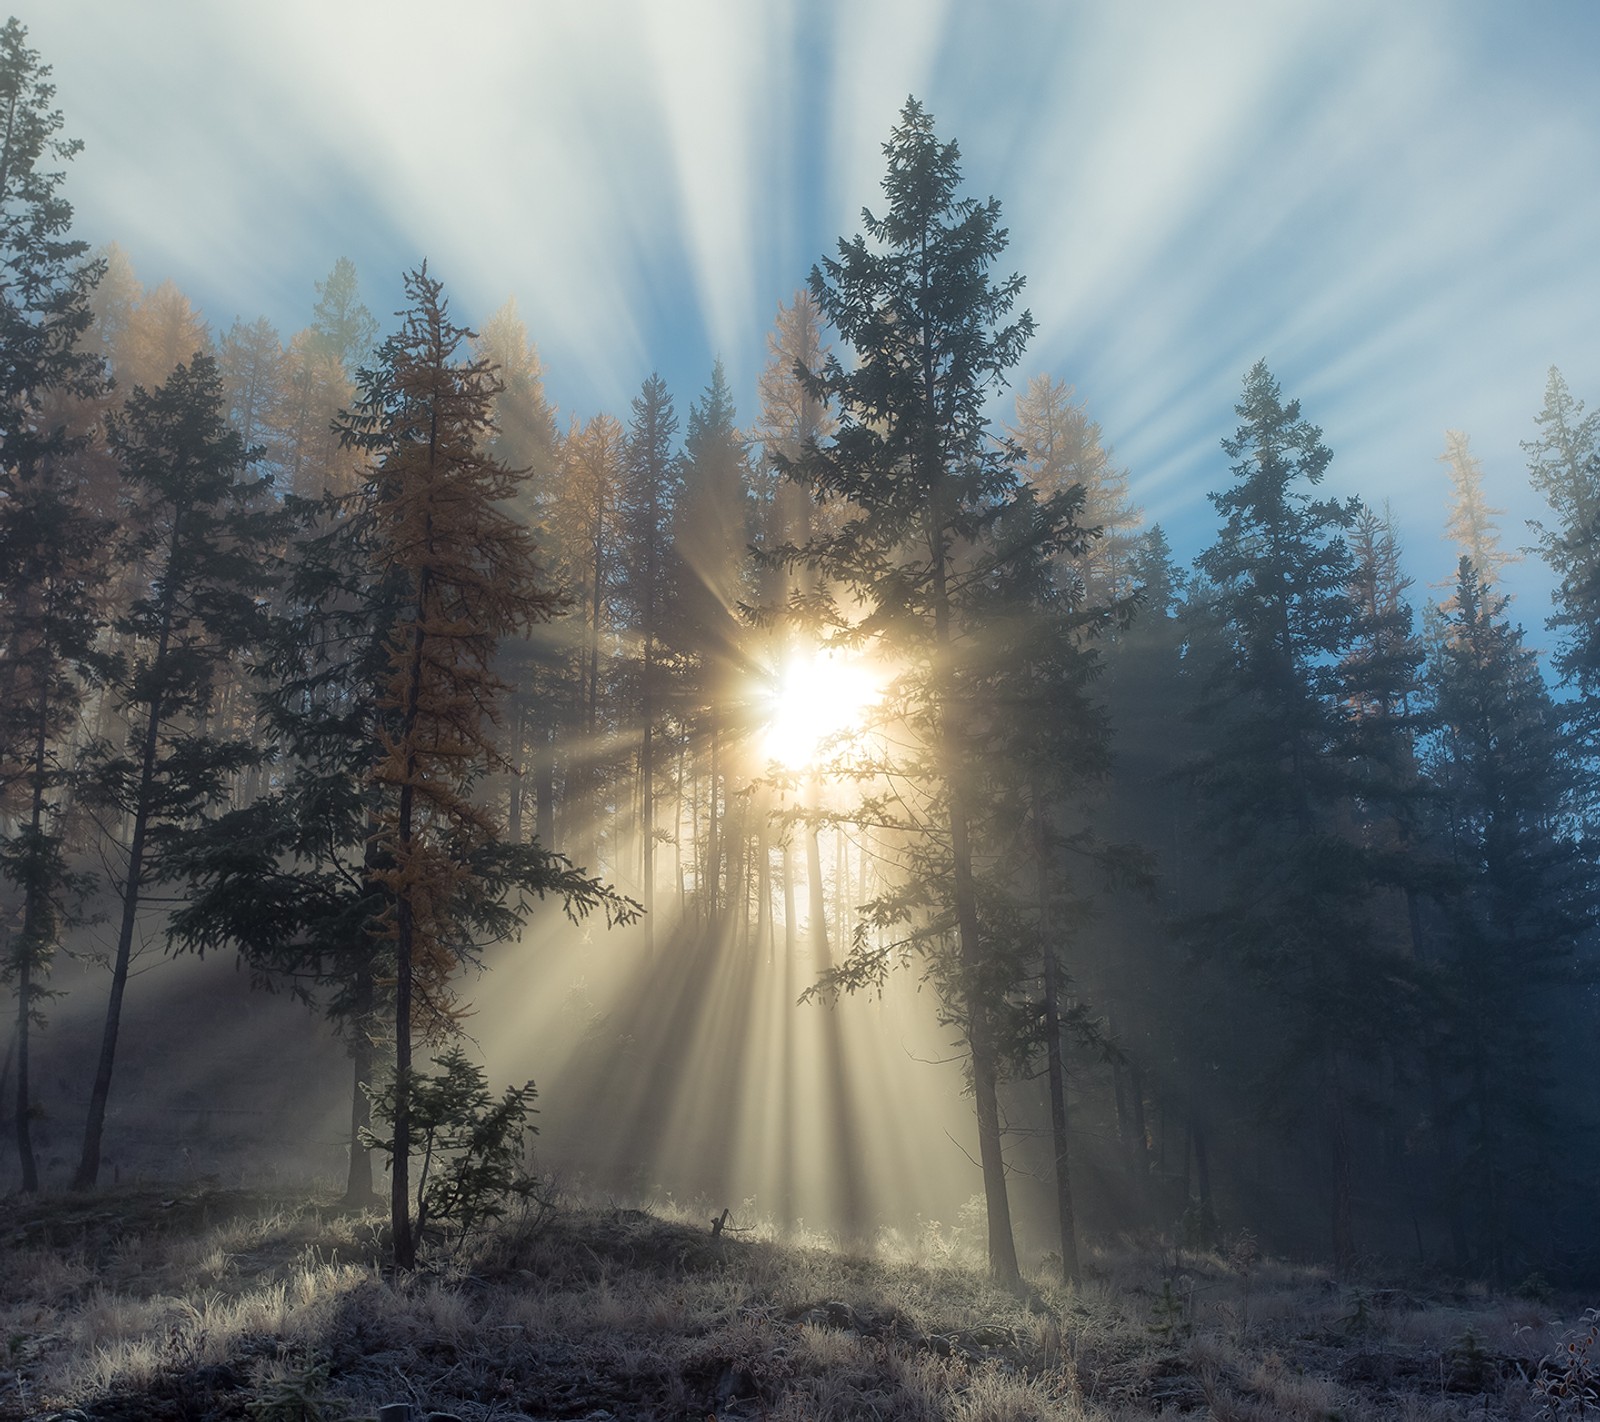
[220,1304]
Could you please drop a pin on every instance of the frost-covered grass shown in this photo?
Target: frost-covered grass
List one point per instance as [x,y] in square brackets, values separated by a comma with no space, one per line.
[228,1305]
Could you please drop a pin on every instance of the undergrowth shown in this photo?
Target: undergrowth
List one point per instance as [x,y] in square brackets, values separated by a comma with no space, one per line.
[218,1304]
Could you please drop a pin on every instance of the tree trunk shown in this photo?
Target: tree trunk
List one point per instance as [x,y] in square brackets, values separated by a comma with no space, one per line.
[89,1161]
[647,807]
[791,928]
[819,908]
[358,1183]
[1052,1036]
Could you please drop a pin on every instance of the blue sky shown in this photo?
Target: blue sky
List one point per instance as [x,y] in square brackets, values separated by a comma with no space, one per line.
[1396,205]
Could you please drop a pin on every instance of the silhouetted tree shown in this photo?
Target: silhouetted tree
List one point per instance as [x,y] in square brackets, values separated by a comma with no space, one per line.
[52,548]
[200,540]
[914,461]
[1500,768]
[1290,889]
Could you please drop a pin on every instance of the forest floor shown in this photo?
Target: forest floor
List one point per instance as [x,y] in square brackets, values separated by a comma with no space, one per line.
[217,1303]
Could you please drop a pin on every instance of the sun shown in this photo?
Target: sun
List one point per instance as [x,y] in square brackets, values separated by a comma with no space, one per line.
[819,695]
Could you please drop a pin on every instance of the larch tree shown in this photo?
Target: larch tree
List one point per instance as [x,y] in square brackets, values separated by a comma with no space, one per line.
[588,535]
[908,574]
[1473,525]
[163,331]
[199,542]
[254,369]
[526,439]
[1063,447]
[52,548]
[470,578]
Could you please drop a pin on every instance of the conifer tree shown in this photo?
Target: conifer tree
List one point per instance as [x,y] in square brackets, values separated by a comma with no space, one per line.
[162,332]
[927,489]
[652,486]
[526,439]
[586,521]
[711,533]
[1564,466]
[1499,766]
[469,578]
[52,547]
[792,418]
[342,328]
[1290,891]
[1472,525]
[195,528]
[1063,447]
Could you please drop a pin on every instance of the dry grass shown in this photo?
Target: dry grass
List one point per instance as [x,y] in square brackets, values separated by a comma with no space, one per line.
[222,1305]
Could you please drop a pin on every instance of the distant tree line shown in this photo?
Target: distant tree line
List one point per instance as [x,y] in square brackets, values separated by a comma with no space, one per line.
[350,647]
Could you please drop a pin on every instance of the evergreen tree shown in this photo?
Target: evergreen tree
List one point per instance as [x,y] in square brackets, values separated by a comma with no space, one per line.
[652,486]
[1291,890]
[1564,466]
[341,326]
[52,548]
[927,489]
[1499,766]
[712,532]
[793,417]
[195,528]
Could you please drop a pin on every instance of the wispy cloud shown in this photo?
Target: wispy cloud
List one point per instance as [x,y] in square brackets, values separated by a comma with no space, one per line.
[1394,205]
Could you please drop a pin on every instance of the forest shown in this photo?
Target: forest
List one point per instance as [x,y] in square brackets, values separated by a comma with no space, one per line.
[1251,897]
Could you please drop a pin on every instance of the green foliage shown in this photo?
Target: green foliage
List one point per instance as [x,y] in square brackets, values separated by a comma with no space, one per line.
[1169,1314]
[1471,1366]
[471,1146]
[289,1394]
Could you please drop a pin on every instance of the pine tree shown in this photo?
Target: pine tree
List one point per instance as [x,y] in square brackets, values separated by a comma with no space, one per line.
[195,527]
[52,547]
[470,578]
[926,489]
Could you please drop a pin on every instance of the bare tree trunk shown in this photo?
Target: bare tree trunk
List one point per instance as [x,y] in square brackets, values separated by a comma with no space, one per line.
[1052,1029]
[89,1161]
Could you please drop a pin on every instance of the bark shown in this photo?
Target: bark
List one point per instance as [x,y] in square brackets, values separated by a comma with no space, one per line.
[89,1162]
[1065,1215]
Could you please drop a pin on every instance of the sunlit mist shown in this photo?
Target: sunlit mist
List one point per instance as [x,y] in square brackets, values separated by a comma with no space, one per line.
[818,697]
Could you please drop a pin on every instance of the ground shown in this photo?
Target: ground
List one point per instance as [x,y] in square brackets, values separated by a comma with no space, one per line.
[212,1303]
